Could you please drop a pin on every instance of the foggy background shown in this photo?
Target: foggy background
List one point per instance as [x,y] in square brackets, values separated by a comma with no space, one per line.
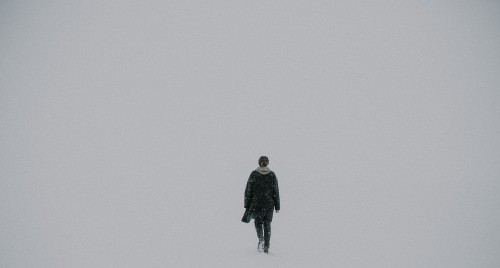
[128,130]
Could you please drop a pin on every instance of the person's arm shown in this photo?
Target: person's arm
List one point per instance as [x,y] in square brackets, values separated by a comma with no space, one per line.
[249,192]
[276,195]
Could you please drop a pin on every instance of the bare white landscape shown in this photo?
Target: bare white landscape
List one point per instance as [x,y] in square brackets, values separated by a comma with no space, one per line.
[129,129]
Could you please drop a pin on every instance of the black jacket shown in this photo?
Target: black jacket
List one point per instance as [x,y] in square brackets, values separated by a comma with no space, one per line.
[262,192]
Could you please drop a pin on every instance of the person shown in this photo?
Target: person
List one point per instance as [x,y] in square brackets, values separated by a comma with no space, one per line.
[261,198]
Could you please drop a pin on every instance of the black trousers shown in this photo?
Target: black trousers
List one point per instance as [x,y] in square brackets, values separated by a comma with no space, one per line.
[263,225]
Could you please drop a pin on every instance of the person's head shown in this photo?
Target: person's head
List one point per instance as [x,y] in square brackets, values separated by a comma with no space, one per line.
[263,161]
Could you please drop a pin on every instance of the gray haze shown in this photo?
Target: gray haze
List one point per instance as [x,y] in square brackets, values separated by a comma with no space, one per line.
[129,129]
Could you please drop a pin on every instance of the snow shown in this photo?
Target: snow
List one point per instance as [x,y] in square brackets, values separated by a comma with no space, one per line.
[129,131]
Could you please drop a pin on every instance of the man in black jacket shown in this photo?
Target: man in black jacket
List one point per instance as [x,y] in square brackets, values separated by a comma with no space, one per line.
[261,198]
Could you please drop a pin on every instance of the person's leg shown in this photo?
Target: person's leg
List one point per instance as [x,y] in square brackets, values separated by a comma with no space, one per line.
[260,232]
[258,228]
[267,229]
[267,234]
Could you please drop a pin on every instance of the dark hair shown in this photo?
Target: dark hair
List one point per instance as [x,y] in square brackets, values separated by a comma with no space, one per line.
[263,161]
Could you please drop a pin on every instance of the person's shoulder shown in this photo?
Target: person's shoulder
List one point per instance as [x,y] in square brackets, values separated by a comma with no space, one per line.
[253,174]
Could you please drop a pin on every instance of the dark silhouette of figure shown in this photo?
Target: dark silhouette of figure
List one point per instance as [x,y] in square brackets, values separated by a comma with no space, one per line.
[261,198]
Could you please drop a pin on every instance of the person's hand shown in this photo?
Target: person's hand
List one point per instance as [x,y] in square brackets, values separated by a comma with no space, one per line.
[277,211]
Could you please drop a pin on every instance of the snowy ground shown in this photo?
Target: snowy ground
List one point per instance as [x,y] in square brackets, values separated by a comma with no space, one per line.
[129,129]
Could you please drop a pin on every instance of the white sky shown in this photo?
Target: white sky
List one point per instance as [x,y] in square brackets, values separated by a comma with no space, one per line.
[124,122]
